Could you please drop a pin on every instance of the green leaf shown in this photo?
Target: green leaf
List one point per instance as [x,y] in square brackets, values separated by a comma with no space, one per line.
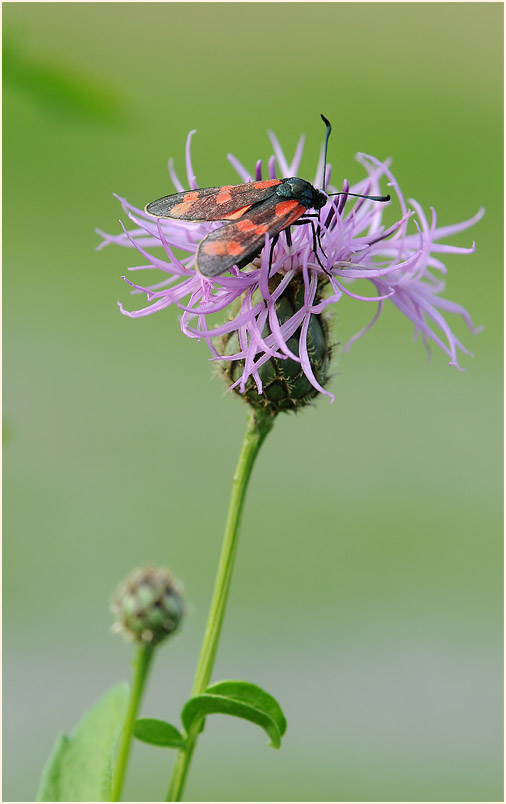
[80,767]
[158,732]
[252,694]
[240,699]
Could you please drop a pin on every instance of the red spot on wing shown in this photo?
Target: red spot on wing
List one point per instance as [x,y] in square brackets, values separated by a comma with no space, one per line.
[262,229]
[260,185]
[223,196]
[284,207]
[181,209]
[237,213]
[235,248]
[215,248]
[219,248]
[193,195]
[246,225]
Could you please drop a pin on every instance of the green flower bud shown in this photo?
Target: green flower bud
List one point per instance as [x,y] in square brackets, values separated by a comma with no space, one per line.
[285,385]
[148,606]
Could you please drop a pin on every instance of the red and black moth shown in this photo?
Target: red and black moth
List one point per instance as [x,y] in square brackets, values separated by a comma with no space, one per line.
[249,212]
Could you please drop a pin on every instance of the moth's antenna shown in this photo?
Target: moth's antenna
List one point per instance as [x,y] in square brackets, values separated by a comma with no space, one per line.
[327,135]
[381,198]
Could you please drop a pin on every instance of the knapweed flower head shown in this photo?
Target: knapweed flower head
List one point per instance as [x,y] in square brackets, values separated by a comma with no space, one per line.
[275,342]
[148,606]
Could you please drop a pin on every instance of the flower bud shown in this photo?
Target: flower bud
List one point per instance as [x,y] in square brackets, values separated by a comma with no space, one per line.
[148,606]
[285,386]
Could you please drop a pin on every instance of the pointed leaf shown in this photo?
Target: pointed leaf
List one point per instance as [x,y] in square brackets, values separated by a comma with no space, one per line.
[158,732]
[251,694]
[240,699]
[80,767]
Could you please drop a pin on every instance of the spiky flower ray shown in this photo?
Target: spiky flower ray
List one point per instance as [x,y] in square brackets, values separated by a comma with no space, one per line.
[404,269]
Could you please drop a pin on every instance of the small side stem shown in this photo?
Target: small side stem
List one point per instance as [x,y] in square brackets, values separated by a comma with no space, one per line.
[141,664]
[259,426]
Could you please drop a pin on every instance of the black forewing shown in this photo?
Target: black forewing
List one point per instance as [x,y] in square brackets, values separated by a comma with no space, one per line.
[212,203]
[232,236]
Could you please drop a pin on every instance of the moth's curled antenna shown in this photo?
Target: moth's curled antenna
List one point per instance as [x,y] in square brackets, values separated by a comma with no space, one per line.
[327,135]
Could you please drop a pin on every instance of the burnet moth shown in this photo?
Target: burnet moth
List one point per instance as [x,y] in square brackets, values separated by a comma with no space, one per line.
[249,212]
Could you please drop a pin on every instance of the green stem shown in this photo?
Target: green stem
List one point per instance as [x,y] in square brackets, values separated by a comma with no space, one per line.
[259,426]
[141,664]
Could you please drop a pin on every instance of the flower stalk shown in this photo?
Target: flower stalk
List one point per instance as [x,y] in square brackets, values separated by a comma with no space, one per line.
[259,425]
[141,664]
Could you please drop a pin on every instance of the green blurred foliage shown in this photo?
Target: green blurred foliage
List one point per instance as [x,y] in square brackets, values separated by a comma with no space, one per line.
[368,593]
[58,89]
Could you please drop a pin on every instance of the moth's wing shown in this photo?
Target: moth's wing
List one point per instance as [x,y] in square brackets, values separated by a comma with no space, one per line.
[213,203]
[239,242]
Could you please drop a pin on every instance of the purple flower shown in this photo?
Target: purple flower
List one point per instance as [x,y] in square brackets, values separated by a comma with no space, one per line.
[405,270]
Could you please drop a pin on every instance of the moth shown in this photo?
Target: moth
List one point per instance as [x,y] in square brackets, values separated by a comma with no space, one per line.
[249,211]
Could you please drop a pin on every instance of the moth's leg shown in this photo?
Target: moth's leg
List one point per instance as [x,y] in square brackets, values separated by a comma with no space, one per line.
[316,239]
[273,243]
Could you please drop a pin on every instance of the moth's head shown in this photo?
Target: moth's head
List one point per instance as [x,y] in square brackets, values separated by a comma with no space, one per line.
[319,199]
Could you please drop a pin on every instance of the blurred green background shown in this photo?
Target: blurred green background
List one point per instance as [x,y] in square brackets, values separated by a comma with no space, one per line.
[368,586]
